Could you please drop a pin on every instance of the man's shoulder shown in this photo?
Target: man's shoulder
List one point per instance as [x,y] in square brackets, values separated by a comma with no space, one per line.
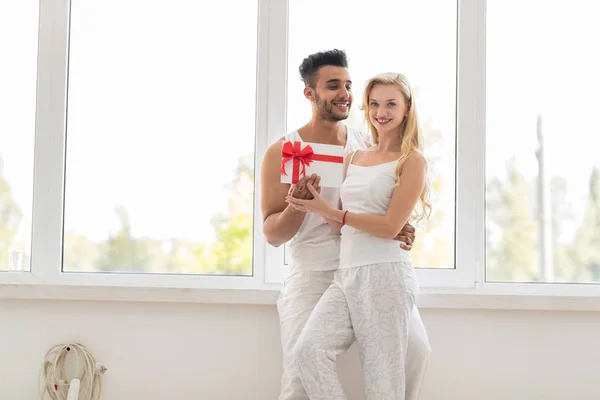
[292,135]
[274,149]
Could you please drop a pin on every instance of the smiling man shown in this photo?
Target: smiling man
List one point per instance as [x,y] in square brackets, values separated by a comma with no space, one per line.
[313,245]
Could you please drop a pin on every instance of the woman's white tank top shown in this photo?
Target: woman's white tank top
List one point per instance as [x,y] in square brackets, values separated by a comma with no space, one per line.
[368,190]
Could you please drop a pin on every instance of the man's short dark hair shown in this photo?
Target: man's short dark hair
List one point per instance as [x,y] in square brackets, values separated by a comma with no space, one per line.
[311,64]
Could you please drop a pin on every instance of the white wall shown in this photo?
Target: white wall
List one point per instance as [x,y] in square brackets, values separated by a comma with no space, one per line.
[158,351]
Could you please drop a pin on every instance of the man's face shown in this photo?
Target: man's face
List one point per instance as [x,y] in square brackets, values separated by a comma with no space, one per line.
[333,93]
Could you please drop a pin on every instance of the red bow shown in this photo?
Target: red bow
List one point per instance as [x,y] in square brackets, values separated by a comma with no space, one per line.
[302,158]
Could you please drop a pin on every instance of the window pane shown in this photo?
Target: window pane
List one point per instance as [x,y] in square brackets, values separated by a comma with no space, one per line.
[160,141]
[543,181]
[18,70]
[400,36]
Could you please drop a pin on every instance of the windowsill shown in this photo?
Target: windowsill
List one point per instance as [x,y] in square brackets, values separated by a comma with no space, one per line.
[432,299]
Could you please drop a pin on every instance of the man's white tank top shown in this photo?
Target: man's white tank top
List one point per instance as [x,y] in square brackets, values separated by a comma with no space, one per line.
[316,247]
[368,190]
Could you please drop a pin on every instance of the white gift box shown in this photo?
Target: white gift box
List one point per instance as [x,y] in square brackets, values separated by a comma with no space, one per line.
[304,158]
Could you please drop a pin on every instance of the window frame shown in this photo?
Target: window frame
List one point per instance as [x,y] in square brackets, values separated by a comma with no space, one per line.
[467,280]
[470,149]
[49,171]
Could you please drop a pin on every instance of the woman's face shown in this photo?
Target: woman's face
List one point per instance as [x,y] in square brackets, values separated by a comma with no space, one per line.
[387,108]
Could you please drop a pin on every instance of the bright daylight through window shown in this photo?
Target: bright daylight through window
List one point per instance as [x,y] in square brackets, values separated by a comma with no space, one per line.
[160,138]
[18,46]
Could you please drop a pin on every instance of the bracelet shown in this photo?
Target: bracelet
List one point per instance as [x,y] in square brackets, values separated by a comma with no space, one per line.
[344,218]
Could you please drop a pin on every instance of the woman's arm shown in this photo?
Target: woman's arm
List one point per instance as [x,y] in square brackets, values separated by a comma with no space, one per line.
[403,201]
[333,224]
[337,225]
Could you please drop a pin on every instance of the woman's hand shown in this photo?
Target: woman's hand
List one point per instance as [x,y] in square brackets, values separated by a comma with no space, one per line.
[316,205]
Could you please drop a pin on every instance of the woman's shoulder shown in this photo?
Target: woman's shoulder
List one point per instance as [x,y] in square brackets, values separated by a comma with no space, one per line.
[415,156]
[414,160]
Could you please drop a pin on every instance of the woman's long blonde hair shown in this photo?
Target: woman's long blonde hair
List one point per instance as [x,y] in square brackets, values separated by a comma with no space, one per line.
[409,132]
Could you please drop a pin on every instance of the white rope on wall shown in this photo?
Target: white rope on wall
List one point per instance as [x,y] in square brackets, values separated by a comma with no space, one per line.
[86,383]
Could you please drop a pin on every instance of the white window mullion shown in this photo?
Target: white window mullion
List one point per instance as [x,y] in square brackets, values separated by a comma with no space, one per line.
[470,154]
[479,145]
[470,188]
[262,135]
[277,112]
[50,141]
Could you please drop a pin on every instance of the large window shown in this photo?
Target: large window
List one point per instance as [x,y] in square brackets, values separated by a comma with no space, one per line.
[160,137]
[18,46]
[145,138]
[543,164]
[399,36]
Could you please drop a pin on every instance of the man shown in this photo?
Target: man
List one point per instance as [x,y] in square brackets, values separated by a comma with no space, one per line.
[314,247]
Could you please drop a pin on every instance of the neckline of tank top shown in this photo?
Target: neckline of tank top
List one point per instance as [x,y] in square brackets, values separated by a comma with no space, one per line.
[377,165]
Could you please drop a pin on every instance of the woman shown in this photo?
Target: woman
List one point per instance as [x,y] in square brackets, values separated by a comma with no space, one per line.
[374,289]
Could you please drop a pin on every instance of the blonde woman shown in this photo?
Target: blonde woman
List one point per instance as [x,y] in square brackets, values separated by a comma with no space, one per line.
[373,293]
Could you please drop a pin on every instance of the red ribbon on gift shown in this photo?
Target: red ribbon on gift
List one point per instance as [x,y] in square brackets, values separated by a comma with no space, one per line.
[302,158]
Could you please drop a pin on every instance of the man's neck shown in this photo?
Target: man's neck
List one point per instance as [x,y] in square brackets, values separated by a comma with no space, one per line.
[326,132]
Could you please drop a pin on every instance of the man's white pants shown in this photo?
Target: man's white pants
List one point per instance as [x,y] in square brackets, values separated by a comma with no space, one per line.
[301,293]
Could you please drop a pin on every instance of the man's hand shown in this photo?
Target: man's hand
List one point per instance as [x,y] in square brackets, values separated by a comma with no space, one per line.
[406,235]
[300,189]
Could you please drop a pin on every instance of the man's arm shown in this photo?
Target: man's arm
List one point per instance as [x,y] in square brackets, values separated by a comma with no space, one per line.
[280,220]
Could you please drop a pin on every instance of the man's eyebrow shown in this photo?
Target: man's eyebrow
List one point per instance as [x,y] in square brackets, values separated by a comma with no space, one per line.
[335,80]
